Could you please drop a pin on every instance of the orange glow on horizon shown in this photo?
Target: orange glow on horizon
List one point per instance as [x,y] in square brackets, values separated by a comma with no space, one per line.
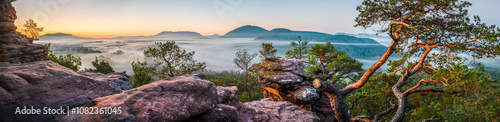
[96,36]
[101,33]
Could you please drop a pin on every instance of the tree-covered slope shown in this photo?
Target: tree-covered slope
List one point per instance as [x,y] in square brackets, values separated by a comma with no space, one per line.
[347,39]
[59,36]
[283,34]
[355,47]
[180,34]
[245,32]
[355,51]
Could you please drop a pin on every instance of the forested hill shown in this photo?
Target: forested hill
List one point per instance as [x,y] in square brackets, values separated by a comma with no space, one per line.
[180,34]
[60,36]
[355,51]
[245,32]
[283,34]
[363,48]
[348,39]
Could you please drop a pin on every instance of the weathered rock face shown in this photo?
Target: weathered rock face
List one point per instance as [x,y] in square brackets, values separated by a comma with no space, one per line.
[7,16]
[18,47]
[284,80]
[14,38]
[190,98]
[24,53]
[48,84]
[120,81]
[8,34]
[282,111]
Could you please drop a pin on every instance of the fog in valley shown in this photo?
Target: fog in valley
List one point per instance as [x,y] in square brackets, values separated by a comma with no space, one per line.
[218,53]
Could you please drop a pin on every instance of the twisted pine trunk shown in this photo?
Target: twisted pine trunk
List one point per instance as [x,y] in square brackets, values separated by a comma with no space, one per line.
[396,89]
[338,105]
[337,100]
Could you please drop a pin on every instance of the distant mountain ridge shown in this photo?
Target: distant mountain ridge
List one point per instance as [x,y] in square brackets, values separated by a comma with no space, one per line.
[363,48]
[180,34]
[356,45]
[213,36]
[168,34]
[380,38]
[246,31]
[250,31]
[348,39]
[59,36]
[283,34]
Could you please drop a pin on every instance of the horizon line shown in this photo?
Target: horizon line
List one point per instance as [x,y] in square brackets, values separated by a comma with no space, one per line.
[97,36]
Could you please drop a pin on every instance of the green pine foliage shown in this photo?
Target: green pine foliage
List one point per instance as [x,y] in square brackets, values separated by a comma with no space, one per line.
[140,78]
[68,60]
[100,66]
[431,37]
[31,29]
[479,103]
[299,49]
[331,64]
[374,99]
[170,61]
[268,50]
[235,78]
[243,61]
[355,51]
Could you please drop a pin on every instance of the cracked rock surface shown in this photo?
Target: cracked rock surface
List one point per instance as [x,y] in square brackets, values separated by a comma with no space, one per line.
[48,84]
[284,80]
[190,98]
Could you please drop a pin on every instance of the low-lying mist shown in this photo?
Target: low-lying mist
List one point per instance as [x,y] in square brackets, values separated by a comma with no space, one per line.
[218,53]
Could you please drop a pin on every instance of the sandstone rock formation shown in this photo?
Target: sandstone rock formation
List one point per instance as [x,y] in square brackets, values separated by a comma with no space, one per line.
[120,81]
[18,47]
[24,53]
[8,16]
[48,84]
[284,80]
[190,98]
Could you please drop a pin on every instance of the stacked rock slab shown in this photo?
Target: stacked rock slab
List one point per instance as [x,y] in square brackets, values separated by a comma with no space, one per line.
[48,84]
[15,47]
[190,98]
[284,80]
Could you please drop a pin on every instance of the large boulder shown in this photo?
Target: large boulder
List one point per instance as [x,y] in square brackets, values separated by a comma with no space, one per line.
[120,81]
[18,48]
[24,53]
[189,98]
[282,111]
[284,80]
[48,84]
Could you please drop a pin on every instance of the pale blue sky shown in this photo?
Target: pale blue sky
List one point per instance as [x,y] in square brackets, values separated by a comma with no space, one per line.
[108,18]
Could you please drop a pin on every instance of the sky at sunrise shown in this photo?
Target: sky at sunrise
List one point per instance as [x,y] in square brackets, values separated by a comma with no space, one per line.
[111,18]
